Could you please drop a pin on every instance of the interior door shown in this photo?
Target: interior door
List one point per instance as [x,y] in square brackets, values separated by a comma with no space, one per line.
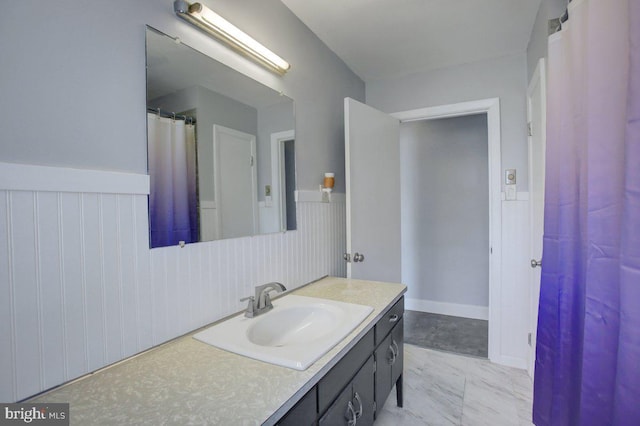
[536,111]
[236,182]
[372,163]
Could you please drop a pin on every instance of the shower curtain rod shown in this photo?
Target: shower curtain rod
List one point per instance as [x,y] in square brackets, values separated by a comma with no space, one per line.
[173,115]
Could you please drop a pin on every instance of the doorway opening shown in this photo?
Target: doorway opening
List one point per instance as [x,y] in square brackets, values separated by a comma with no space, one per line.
[465,243]
[444,183]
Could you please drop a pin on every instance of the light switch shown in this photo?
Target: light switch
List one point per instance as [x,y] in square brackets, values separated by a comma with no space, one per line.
[510,177]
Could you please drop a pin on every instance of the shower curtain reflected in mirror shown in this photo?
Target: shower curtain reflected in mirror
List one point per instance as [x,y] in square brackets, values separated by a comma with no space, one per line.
[173,203]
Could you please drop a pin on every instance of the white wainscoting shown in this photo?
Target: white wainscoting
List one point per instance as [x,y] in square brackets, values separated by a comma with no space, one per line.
[74,292]
[514,292]
[80,288]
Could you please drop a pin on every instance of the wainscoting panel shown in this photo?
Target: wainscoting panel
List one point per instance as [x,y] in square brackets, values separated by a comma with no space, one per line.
[80,289]
[514,293]
[72,275]
[201,283]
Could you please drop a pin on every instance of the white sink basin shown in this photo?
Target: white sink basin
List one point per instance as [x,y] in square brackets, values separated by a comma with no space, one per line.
[295,333]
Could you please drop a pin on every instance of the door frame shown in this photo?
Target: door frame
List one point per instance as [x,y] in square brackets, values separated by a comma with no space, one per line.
[538,79]
[277,174]
[491,107]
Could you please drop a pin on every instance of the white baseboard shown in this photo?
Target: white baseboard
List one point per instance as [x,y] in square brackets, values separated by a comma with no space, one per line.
[510,361]
[443,308]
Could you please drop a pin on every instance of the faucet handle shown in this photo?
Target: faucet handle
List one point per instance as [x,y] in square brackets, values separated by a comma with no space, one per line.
[267,299]
[251,305]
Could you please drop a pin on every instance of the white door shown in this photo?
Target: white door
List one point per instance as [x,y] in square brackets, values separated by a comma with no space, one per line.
[536,111]
[236,189]
[372,163]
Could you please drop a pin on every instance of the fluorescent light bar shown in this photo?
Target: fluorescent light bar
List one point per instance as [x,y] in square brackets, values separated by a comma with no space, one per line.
[214,24]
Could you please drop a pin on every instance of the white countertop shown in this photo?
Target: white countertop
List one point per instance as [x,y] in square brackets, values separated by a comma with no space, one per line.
[186,382]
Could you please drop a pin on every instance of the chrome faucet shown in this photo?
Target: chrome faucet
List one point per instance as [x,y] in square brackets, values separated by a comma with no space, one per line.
[261,302]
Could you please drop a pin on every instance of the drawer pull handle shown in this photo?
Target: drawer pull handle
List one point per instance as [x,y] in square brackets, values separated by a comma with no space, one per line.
[359,409]
[393,318]
[394,354]
[397,349]
[350,415]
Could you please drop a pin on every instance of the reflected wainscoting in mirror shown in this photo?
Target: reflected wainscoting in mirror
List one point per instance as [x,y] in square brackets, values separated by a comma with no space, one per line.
[221,149]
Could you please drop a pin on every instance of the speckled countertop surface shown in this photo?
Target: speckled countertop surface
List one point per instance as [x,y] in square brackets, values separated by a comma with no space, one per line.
[187,382]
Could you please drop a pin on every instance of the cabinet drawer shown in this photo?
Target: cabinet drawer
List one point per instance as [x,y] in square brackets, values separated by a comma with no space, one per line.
[343,372]
[390,319]
[303,413]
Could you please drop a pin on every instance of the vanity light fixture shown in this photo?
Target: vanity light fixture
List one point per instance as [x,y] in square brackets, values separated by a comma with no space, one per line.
[214,24]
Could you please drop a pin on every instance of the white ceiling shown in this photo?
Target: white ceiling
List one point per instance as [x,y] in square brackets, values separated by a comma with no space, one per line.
[381,39]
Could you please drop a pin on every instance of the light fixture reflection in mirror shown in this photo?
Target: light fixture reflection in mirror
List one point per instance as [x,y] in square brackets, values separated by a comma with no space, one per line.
[236,173]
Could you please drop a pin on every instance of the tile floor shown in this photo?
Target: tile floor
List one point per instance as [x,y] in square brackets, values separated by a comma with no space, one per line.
[447,389]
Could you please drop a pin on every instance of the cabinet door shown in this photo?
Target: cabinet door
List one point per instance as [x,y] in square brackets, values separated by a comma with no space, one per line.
[354,405]
[363,396]
[389,362]
[342,411]
[397,342]
[384,358]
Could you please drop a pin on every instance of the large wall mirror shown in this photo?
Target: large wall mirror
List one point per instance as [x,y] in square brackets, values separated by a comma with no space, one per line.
[221,149]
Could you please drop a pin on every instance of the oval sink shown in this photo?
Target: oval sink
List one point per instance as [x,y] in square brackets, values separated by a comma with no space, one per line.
[294,325]
[295,333]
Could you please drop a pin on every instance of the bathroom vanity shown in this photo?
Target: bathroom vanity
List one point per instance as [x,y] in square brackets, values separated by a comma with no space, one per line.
[353,390]
[186,381]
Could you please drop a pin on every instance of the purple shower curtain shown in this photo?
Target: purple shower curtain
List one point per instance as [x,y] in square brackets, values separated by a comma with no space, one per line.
[587,368]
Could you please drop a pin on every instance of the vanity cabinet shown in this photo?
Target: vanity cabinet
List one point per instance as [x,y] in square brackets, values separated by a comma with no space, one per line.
[358,385]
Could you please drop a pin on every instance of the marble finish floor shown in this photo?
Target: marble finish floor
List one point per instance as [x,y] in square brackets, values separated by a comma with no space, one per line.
[447,333]
[449,389]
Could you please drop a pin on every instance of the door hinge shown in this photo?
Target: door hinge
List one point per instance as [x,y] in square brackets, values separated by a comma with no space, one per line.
[490,250]
[375,365]
[529,131]
[251,161]
[375,407]
[529,339]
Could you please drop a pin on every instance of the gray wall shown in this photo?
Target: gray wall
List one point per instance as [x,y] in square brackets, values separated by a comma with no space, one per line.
[80,72]
[271,119]
[212,108]
[445,210]
[502,77]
